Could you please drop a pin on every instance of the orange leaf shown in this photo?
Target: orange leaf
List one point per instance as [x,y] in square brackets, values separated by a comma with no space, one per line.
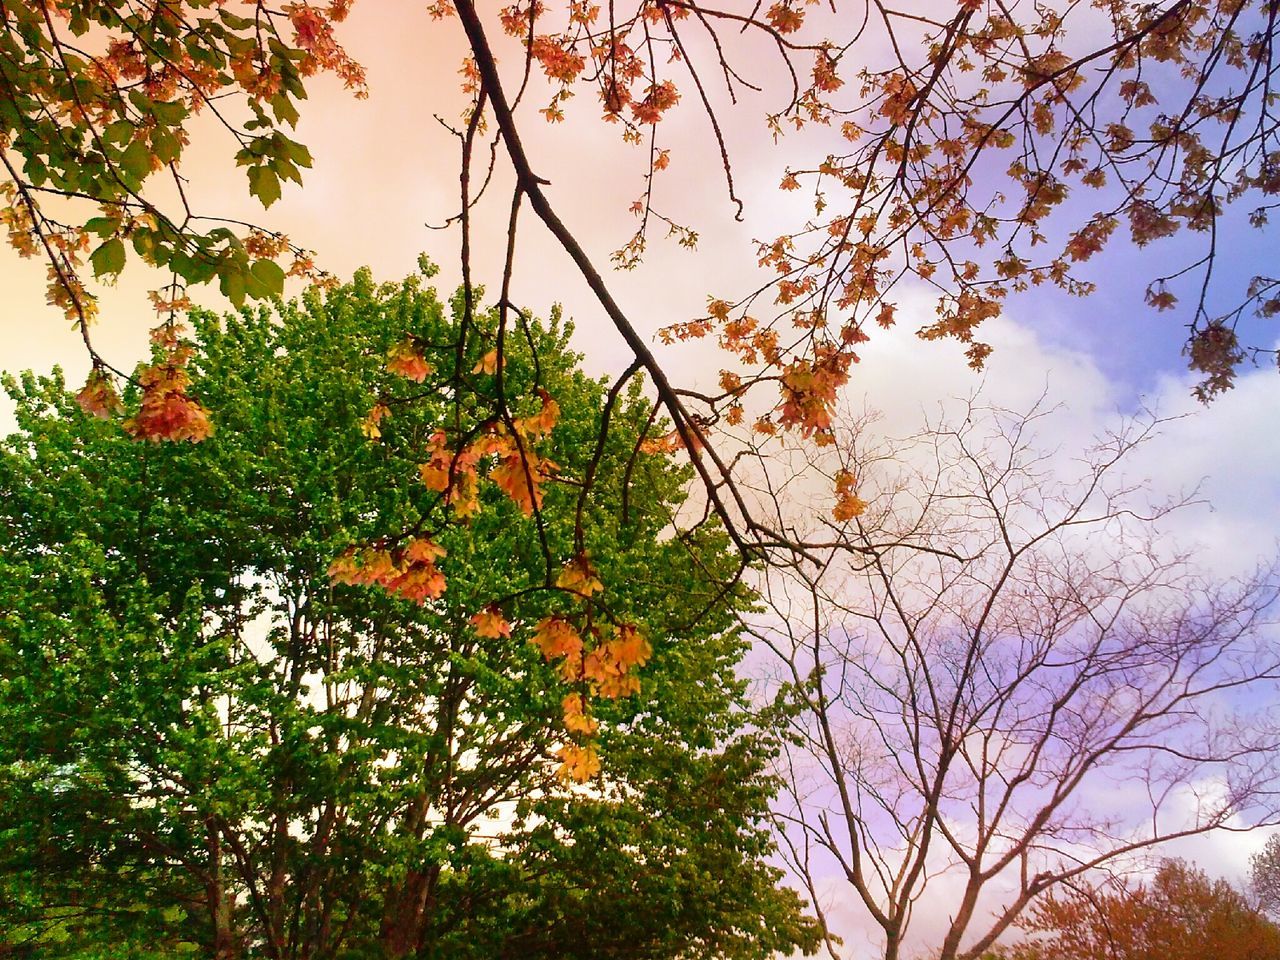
[521,478]
[578,764]
[406,360]
[576,717]
[491,624]
[98,396]
[579,576]
[167,413]
[369,426]
[541,423]
[556,637]
[848,504]
[608,667]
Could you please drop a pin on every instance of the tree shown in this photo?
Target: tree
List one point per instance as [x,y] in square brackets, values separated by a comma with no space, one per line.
[1264,876]
[1180,913]
[1001,677]
[962,134]
[206,744]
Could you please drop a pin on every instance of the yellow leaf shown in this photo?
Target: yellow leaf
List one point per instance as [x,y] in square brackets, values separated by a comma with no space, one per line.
[580,577]
[578,764]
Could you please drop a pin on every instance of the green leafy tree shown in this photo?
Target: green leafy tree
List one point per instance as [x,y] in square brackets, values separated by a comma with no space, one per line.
[207,744]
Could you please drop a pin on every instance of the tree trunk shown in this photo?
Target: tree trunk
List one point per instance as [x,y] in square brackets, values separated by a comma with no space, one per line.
[219,900]
[405,913]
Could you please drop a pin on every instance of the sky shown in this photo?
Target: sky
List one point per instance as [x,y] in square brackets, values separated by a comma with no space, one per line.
[385,168]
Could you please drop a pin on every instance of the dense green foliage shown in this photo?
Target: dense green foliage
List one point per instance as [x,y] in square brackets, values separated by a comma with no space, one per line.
[208,747]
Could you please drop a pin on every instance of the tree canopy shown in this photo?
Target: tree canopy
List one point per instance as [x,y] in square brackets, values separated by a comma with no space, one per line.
[1177,913]
[969,153]
[206,744]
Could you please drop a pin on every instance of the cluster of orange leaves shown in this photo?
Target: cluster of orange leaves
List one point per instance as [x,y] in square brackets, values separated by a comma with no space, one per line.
[125,61]
[166,411]
[313,32]
[65,246]
[848,504]
[406,360]
[409,572]
[605,666]
[98,396]
[182,74]
[516,467]
[622,79]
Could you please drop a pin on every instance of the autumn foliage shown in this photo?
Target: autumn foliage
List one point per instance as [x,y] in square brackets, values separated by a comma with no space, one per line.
[1178,914]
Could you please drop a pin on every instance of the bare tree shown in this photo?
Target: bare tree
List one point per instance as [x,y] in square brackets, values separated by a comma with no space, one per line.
[1011,678]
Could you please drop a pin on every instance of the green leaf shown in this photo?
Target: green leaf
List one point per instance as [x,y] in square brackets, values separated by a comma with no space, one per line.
[231,283]
[102,226]
[284,110]
[264,184]
[118,133]
[170,114]
[144,243]
[36,170]
[136,160]
[234,21]
[270,275]
[165,145]
[108,258]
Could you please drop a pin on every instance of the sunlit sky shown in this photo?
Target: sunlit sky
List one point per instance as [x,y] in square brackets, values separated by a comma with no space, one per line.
[385,168]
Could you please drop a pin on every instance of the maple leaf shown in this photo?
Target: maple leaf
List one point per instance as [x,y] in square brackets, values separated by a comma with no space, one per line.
[809,390]
[361,567]
[491,624]
[785,19]
[406,360]
[487,364]
[541,423]
[167,413]
[608,667]
[578,764]
[659,98]
[520,477]
[576,717]
[1161,298]
[1090,239]
[369,426]
[98,396]
[665,444]
[418,583]
[556,637]
[579,576]
[417,578]
[422,550]
[848,504]
[452,474]
[435,472]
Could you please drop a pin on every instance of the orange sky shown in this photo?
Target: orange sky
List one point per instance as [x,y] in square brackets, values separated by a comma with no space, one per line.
[384,168]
